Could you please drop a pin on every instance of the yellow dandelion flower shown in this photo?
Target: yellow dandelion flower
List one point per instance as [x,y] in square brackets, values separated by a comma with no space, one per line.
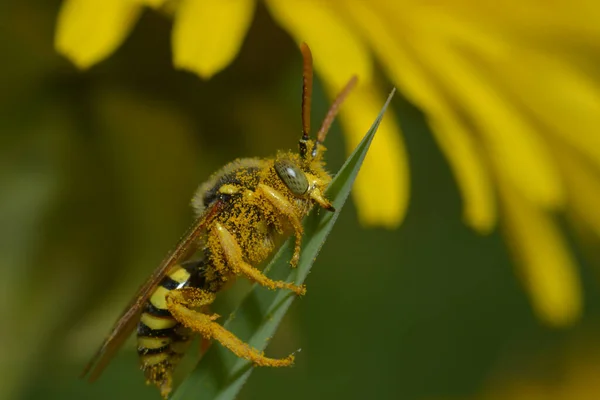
[511,92]
[508,103]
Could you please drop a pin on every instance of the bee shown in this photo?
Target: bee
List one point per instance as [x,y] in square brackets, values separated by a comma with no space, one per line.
[241,210]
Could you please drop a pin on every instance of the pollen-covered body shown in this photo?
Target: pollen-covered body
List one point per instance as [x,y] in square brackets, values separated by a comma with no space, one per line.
[254,210]
[257,204]
[242,212]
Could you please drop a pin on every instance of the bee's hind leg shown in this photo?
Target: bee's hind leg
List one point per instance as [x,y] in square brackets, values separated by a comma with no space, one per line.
[235,261]
[181,302]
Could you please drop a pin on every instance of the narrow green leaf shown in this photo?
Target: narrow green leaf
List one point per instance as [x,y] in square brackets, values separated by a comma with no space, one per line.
[220,374]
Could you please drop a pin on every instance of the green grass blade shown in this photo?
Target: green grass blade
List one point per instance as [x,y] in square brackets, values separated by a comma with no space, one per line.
[220,375]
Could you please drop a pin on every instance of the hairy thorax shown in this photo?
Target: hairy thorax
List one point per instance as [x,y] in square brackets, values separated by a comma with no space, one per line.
[245,212]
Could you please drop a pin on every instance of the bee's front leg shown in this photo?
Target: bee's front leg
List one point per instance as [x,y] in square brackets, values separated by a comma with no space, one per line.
[283,206]
[234,260]
[181,302]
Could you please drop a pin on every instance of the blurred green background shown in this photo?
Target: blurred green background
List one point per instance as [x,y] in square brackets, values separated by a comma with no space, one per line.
[96,173]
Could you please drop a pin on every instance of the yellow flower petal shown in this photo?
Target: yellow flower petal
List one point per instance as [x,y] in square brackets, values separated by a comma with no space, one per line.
[338,52]
[381,190]
[510,141]
[208,34]
[547,268]
[470,172]
[451,133]
[90,30]
[584,187]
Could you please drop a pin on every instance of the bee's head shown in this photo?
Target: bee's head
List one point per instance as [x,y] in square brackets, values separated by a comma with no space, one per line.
[304,176]
[301,180]
[292,175]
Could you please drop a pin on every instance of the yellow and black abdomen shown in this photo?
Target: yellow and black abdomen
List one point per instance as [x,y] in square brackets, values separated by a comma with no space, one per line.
[161,339]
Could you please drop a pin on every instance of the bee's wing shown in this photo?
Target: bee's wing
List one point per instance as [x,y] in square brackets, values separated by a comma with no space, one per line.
[128,320]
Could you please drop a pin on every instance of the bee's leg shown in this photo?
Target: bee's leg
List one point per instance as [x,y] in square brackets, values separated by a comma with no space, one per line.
[278,201]
[233,256]
[181,302]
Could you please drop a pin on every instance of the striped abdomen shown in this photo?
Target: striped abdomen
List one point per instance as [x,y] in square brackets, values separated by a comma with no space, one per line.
[161,339]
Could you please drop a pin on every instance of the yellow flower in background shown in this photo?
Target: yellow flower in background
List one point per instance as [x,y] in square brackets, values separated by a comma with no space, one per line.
[511,91]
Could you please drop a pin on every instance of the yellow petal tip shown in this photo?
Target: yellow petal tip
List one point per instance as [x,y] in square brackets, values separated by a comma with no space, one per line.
[207,35]
[89,31]
[202,71]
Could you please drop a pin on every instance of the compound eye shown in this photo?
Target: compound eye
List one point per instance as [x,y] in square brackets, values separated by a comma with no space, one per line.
[292,176]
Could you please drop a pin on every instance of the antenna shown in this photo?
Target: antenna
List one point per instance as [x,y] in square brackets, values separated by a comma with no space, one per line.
[307,82]
[333,110]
